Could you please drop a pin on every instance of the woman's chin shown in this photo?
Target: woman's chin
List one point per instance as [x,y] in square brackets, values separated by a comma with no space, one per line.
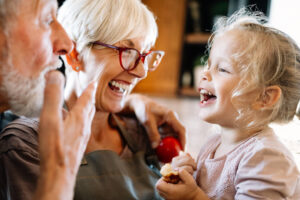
[111,107]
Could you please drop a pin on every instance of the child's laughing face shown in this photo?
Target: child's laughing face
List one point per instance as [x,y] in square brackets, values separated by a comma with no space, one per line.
[220,79]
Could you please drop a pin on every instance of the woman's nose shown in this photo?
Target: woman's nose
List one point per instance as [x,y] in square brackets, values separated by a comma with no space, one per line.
[140,71]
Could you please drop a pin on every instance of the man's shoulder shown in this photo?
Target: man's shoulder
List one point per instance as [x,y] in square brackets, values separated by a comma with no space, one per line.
[21,134]
[5,118]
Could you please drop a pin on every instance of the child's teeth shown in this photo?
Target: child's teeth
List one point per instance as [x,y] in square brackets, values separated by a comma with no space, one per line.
[201,97]
[203,91]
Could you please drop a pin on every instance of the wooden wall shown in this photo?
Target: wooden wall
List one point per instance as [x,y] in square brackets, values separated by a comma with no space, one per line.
[170,19]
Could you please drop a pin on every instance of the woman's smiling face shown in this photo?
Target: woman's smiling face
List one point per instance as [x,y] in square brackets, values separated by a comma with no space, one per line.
[114,83]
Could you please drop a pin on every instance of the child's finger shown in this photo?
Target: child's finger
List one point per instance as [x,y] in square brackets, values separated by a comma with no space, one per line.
[160,185]
[185,176]
[188,168]
[184,160]
[164,187]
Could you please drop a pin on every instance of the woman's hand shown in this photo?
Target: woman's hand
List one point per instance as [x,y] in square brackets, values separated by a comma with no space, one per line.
[153,116]
[186,189]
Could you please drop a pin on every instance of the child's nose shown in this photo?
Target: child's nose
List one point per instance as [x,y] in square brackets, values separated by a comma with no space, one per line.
[206,75]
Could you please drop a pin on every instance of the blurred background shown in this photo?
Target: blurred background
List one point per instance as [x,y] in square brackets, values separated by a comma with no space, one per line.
[184,29]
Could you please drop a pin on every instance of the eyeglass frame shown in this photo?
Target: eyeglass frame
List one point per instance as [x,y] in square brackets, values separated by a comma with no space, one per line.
[141,57]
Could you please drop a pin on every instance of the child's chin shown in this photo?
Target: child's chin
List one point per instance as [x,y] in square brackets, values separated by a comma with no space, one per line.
[208,118]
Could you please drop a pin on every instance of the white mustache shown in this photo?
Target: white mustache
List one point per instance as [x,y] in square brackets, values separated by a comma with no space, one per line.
[52,66]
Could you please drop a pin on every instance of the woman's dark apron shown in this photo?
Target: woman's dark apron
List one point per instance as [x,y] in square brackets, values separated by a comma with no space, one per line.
[104,175]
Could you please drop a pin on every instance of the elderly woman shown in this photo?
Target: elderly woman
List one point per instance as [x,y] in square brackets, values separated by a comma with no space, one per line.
[113,42]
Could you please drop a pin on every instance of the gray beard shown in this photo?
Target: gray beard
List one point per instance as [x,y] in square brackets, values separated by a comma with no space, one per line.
[25,95]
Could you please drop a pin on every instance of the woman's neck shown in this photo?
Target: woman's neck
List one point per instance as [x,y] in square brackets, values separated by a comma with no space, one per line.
[103,136]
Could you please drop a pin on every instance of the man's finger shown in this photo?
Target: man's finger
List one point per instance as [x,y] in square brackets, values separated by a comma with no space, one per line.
[51,115]
[86,102]
[53,95]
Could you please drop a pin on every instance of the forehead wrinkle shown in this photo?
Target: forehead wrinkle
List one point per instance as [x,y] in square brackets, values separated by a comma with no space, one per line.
[38,3]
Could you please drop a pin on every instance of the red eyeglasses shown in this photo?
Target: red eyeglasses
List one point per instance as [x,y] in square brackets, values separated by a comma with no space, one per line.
[130,57]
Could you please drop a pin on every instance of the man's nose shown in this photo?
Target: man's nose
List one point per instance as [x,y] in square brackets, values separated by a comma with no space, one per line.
[61,41]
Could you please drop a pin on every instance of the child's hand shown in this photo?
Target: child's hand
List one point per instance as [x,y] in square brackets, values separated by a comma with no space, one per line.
[184,161]
[186,189]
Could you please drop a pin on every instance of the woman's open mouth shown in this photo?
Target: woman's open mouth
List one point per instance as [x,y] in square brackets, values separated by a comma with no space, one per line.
[119,87]
[206,96]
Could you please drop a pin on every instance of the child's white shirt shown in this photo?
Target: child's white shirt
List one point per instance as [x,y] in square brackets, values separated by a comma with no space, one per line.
[261,167]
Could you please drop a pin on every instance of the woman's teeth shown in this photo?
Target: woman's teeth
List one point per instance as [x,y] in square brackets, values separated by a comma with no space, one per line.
[119,86]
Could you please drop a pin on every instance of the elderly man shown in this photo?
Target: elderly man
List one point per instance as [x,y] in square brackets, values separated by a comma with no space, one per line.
[31,41]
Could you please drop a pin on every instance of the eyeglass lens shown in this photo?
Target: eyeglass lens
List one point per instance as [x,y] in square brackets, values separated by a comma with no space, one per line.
[130,56]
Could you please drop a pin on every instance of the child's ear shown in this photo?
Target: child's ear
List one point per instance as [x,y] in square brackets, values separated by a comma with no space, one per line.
[268,98]
[73,60]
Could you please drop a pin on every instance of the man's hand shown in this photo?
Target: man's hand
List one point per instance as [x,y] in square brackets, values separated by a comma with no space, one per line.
[62,141]
[154,117]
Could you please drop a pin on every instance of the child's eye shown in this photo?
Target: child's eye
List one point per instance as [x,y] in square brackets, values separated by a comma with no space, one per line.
[220,69]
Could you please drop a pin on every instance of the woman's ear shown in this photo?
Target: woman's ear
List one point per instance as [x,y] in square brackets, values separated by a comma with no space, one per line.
[268,98]
[73,61]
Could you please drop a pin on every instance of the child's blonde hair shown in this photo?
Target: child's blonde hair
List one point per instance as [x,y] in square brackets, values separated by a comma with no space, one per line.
[270,57]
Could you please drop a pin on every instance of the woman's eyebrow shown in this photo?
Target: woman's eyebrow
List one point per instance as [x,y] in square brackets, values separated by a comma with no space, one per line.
[128,42]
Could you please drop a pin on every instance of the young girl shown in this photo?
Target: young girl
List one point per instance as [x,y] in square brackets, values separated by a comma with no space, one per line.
[252,79]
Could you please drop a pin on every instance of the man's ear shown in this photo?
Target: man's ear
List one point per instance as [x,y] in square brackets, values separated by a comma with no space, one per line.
[268,98]
[73,61]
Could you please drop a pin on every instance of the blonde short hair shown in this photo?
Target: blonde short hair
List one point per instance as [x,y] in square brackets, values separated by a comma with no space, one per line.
[108,21]
[270,57]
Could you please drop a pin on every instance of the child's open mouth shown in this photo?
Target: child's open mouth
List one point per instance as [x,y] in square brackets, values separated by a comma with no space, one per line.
[206,96]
